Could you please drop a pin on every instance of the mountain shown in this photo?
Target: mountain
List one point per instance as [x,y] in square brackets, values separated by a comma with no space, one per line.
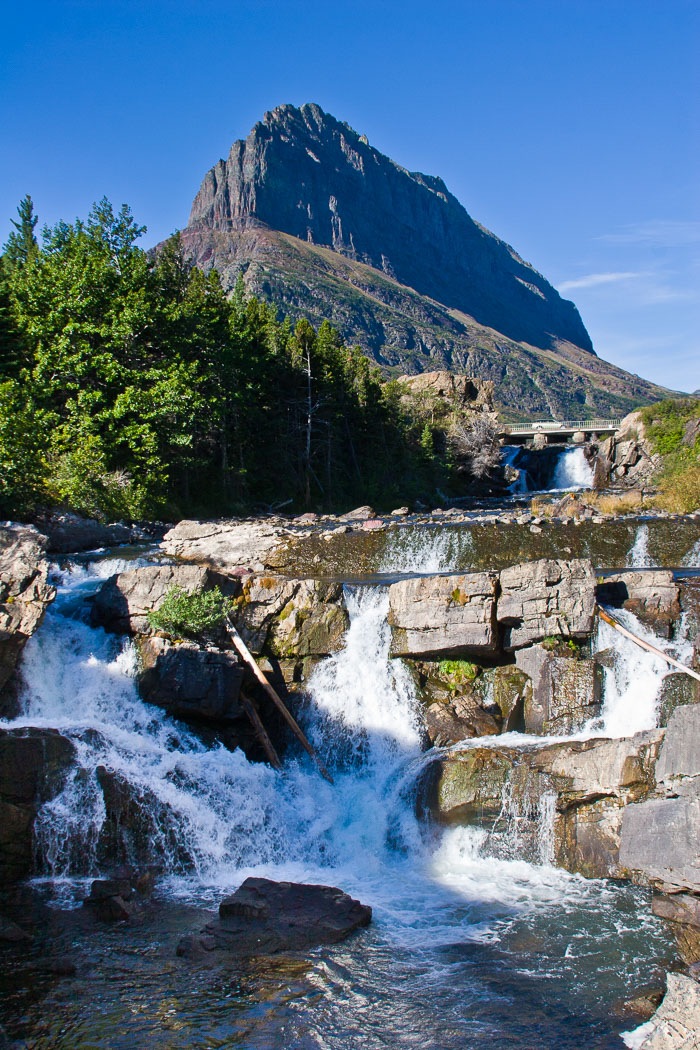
[324,225]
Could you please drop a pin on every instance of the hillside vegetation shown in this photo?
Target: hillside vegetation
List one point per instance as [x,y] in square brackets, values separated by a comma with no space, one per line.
[673,429]
[133,387]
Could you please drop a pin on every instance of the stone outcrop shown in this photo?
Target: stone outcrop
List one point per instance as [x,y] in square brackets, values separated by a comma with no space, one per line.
[592,781]
[661,835]
[676,1023]
[291,618]
[24,592]
[548,598]
[33,763]
[485,612]
[626,460]
[444,614]
[226,545]
[190,681]
[565,691]
[264,917]
[123,601]
[69,533]
[653,596]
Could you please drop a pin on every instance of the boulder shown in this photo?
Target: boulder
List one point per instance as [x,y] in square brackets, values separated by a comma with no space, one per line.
[69,533]
[592,783]
[457,719]
[661,841]
[677,690]
[653,596]
[263,917]
[547,598]
[679,759]
[25,591]
[33,764]
[359,514]
[676,1023]
[122,602]
[190,681]
[443,615]
[226,545]
[565,693]
[291,618]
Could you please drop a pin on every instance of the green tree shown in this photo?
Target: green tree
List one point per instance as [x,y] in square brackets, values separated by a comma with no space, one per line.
[21,246]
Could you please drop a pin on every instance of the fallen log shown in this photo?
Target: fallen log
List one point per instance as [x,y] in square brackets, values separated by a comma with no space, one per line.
[247,656]
[260,732]
[605,615]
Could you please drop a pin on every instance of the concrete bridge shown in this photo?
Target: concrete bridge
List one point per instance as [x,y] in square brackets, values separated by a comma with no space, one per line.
[554,431]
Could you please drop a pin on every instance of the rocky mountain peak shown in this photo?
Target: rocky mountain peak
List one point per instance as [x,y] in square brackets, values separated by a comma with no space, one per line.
[305,173]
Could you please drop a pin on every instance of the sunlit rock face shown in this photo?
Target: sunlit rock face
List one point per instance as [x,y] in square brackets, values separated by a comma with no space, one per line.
[323,225]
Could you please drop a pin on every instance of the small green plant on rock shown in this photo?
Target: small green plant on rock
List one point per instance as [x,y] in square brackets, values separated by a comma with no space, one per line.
[190,613]
[458,672]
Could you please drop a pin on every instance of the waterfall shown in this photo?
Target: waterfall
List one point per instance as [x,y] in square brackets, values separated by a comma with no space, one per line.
[638,556]
[509,454]
[572,471]
[413,550]
[633,684]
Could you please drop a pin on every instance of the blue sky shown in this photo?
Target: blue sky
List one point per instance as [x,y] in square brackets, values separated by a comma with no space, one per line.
[568,127]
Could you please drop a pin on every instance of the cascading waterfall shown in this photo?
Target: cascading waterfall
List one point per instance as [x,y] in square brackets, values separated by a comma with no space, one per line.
[573,471]
[633,684]
[638,556]
[212,818]
[440,549]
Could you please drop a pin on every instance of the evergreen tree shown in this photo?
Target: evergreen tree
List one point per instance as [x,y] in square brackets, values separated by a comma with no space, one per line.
[22,245]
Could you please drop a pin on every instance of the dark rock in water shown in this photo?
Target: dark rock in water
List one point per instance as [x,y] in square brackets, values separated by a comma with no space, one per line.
[33,763]
[139,827]
[116,899]
[68,533]
[263,917]
[189,681]
[11,933]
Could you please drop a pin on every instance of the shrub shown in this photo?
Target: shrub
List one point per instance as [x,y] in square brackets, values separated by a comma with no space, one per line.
[459,672]
[190,612]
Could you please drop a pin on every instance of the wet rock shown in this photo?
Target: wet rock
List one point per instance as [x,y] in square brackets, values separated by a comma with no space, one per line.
[138,826]
[291,618]
[676,1023]
[123,601]
[25,593]
[189,681]
[444,615]
[458,719]
[33,764]
[677,690]
[653,596]
[116,899]
[227,545]
[546,598]
[68,533]
[11,933]
[682,912]
[263,917]
[593,783]
[565,692]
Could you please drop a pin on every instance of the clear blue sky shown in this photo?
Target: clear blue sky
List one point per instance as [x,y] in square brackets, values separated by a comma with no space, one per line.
[568,127]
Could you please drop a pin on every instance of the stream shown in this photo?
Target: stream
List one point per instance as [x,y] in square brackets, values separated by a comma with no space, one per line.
[470,946]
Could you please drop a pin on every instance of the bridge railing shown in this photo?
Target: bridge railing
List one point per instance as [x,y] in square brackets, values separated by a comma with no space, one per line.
[554,425]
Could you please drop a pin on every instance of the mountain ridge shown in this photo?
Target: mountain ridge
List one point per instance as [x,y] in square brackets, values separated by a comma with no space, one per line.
[324,225]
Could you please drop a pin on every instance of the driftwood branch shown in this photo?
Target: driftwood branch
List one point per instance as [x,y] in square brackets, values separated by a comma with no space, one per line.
[245,653]
[605,615]
[260,732]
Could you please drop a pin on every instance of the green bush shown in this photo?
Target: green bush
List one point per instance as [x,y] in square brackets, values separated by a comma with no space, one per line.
[459,672]
[190,612]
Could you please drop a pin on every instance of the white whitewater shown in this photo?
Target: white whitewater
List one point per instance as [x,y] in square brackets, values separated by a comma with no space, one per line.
[638,556]
[444,548]
[572,471]
[633,684]
[509,454]
[212,817]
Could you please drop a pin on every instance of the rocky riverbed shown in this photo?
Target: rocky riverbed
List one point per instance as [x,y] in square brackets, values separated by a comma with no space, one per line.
[521,718]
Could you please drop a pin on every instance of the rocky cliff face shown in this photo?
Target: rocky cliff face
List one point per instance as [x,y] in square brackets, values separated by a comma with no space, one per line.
[324,225]
[303,172]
